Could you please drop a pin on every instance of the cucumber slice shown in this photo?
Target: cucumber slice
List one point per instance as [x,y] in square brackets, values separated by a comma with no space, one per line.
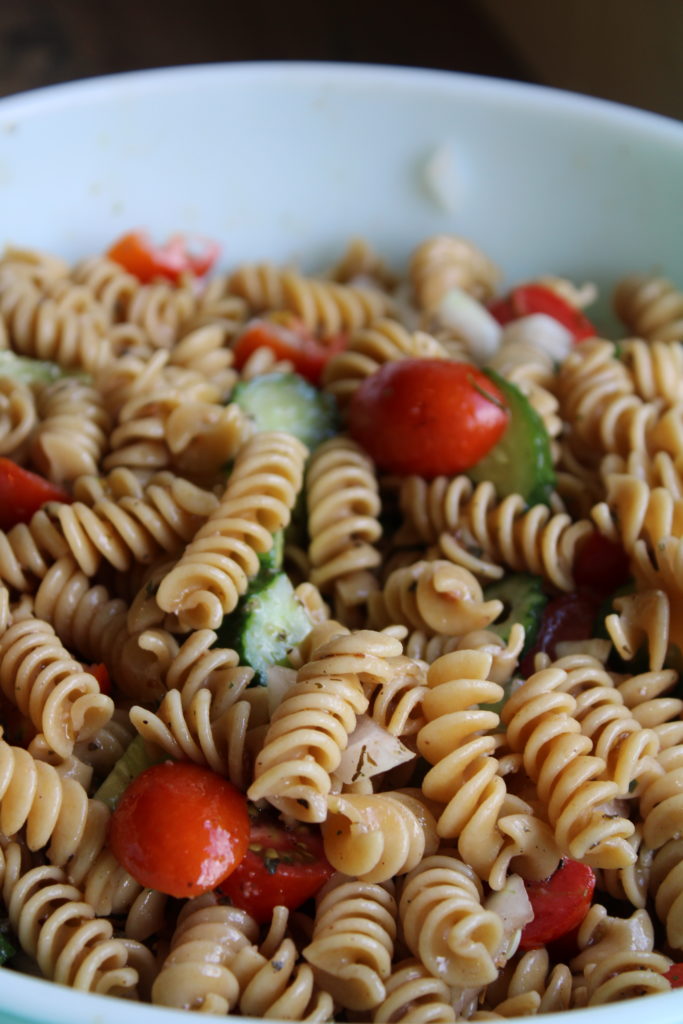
[270,561]
[28,371]
[7,950]
[285,401]
[523,600]
[134,760]
[521,462]
[268,621]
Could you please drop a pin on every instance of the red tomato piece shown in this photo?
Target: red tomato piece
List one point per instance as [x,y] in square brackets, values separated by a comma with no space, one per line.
[567,617]
[537,298]
[282,867]
[288,338]
[601,564]
[181,254]
[675,975]
[101,674]
[428,416]
[559,903]
[180,828]
[22,493]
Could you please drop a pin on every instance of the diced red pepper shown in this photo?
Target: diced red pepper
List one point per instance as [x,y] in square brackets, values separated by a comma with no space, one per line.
[537,298]
[559,903]
[22,493]
[675,975]
[288,338]
[101,674]
[181,254]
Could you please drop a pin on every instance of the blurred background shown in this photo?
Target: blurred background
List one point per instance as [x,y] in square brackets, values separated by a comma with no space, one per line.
[624,50]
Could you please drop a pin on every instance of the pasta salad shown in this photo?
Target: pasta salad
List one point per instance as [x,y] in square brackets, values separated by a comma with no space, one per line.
[340,634]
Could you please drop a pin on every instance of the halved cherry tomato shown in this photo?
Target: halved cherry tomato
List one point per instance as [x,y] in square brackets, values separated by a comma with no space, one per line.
[537,298]
[282,867]
[567,617]
[427,416]
[181,254]
[180,828]
[22,493]
[675,975]
[101,674]
[601,564]
[559,903]
[290,339]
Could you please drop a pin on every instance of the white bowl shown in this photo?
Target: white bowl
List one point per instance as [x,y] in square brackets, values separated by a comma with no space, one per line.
[287,161]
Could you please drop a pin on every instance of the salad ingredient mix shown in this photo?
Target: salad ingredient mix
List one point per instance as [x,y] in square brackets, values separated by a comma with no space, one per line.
[340,634]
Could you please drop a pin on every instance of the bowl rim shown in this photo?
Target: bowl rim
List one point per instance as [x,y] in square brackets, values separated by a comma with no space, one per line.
[26,996]
[148,80]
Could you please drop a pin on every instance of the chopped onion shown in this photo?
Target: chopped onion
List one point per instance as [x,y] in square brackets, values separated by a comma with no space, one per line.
[279,679]
[541,331]
[513,907]
[472,322]
[371,750]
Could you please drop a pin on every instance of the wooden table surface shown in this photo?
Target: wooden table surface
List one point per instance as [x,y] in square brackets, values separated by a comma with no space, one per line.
[625,50]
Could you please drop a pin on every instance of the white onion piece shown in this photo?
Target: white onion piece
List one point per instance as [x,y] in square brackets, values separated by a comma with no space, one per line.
[472,322]
[512,906]
[371,750]
[280,679]
[541,331]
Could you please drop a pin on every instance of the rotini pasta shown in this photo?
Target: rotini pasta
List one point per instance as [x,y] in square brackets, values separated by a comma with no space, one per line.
[214,569]
[423,757]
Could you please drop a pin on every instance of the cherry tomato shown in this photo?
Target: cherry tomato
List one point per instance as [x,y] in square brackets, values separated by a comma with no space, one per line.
[567,617]
[22,493]
[675,975]
[101,674]
[289,339]
[537,298]
[559,903]
[180,828]
[282,867]
[427,416]
[181,254]
[601,564]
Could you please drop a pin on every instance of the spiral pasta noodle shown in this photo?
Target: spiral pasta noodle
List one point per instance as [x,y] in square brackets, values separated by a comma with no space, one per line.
[444,262]
[435,596]
[18,417]
[628,749]
[38,674]
[378,836]
[196,974]
[415,995]
[492,829]
[69,329]
[524,539]
[324,306]
[651,307]
[353,941]
[57,927]
[310,728]
[570,778]
[214,569]
[343,520]
[73,434]
[445,925]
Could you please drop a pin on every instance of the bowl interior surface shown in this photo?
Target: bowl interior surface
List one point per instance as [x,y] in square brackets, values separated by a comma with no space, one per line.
[287,162]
